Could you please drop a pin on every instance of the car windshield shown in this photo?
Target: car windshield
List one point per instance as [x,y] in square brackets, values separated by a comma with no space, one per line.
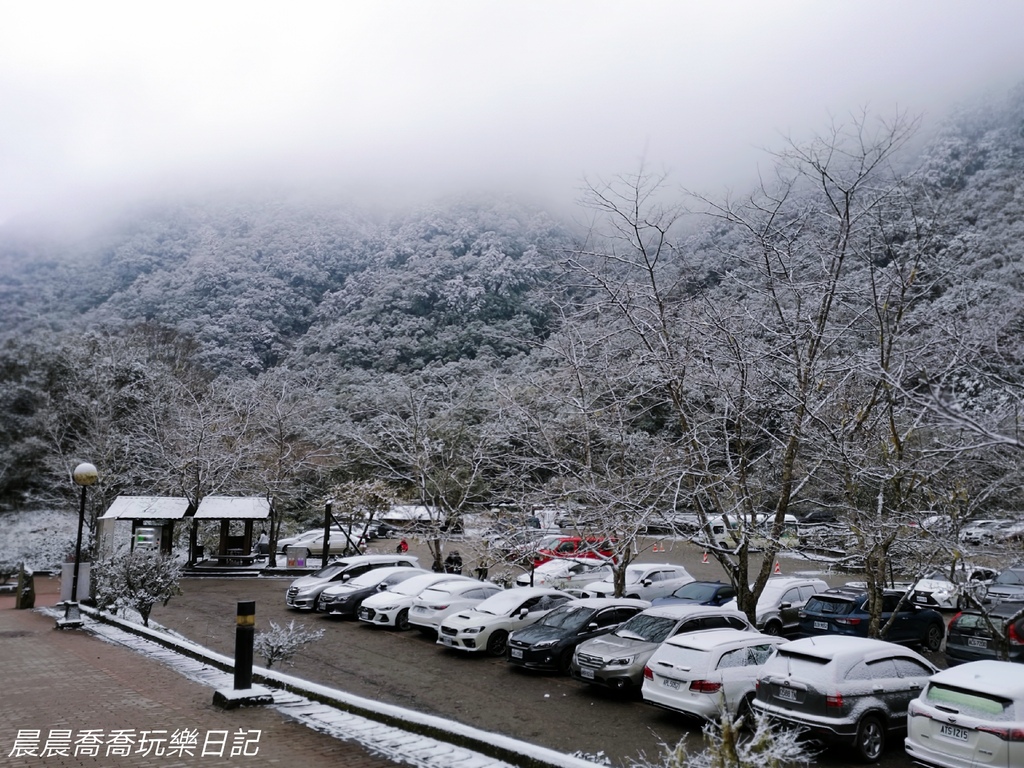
[548,542]
[829,606]
[568,617]
[632,575]
[329,571]
[502,604]
[974,703]
[414,585]
[368,579]
[797,664]
[652,629]
[695,591]
[1010,577]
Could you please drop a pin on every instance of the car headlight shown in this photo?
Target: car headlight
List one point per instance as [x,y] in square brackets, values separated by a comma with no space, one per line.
[473,630]
[544,644]
[622,661]
[385,608]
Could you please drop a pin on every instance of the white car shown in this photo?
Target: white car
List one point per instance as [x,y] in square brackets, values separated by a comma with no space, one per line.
[391,608]
[940,590]
[969,715]
[435,604]
[704,673]
[487,626]
[570,574]
[644,581]
[778,607]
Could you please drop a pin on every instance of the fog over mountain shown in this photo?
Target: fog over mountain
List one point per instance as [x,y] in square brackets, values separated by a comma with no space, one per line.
[401,100]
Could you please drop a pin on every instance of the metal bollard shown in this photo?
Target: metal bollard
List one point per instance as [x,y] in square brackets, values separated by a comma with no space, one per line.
[245,632]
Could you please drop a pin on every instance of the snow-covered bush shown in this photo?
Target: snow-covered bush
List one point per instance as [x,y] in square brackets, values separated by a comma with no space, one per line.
[281,643]
[729,745]
[136,580]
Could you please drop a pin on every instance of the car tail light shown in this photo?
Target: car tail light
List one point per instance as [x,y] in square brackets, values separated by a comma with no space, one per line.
[1014,635]
[648,675]
[705,686]
[438,607]
[1006,734]
[835,701]
[953,620]
[847,622]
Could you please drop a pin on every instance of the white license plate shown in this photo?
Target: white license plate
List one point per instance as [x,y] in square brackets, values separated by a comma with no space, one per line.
[953,732]
[977,642]
[419,609]
[447,641]
[921,598]
[587,673]
[670,683]
[821,625]
[516,653]
[789,694]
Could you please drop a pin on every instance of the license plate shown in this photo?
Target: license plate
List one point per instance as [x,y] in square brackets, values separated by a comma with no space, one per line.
[789,694]
[953,732]
[516,653]
[419,609]
[670,683]
[821,625]
[977,642]
[587,673]
[921,598]
[447,641]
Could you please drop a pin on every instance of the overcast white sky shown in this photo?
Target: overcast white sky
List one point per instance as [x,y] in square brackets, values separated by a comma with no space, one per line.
[104,98]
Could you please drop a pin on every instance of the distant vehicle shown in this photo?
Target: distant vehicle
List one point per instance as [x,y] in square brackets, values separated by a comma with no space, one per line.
[486,626]
[700,593]
[849,691]
[1008,585]
[644,581]
[949,592]
[778,607]
[617,660]
[595,547]
[570,574]
[844,611]
[984,531]
[549,644]
[705,673]
[972,633]
[305,590]
[969,716]
[288,541]
[341,544]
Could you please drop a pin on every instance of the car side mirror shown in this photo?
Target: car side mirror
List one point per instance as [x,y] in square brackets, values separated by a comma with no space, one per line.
[523,612]
[647,582]
[346,576]
[784,606]
[592,626]
[382,587]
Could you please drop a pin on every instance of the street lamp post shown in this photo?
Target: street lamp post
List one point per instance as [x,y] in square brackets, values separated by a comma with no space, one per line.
[84,475]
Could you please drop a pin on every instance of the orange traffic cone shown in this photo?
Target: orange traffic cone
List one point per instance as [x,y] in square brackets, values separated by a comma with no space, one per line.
[705,558]
[778,570]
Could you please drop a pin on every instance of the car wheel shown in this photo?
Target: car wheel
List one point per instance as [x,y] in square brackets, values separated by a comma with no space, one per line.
[933,640]
[745,713]
[773,628]
[870,739]
[402,620]
[497,642]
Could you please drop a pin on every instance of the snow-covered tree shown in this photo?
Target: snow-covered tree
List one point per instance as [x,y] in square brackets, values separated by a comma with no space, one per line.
[136,580]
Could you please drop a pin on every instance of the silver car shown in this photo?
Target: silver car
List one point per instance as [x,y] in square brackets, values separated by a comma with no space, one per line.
[617,660]
[851,691]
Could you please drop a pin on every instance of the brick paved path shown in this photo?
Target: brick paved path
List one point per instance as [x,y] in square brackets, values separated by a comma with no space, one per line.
[55,682]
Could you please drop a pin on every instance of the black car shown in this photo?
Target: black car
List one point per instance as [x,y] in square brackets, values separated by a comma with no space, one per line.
[343,600]
[845,611]
[549,644]
[971,637]
[699,593]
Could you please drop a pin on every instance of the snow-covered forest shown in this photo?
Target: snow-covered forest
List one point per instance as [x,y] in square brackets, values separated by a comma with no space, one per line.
[847,333]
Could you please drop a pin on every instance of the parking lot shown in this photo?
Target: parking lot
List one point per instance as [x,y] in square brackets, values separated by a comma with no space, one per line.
[408,669]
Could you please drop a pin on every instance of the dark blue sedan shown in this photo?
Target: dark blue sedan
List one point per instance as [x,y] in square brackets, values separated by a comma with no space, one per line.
[699,593]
